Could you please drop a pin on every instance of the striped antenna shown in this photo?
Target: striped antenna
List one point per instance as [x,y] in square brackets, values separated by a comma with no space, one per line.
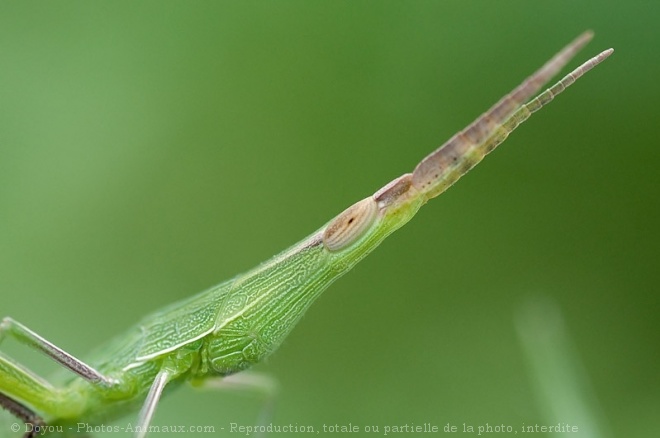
[444,166]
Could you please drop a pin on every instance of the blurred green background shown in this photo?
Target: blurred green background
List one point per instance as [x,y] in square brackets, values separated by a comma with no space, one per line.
[150,150]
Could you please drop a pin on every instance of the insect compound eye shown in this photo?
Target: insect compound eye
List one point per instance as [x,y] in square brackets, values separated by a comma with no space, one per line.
[350,225]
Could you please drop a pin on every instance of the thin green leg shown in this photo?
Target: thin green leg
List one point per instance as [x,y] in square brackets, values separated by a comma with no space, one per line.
[23,386]
[249,381]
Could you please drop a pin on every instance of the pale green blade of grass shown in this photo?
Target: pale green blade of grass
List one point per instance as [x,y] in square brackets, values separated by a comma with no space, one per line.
[560,382]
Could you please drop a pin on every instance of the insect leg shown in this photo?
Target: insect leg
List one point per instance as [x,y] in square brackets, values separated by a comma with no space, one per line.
[25,336]
[149,407]
[23,413]
[22,391]
[251,381]
[244,381]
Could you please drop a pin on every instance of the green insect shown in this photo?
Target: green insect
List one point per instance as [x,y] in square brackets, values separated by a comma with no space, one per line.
[236,324]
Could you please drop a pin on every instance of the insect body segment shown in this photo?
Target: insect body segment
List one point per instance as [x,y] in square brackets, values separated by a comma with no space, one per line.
[238,323]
